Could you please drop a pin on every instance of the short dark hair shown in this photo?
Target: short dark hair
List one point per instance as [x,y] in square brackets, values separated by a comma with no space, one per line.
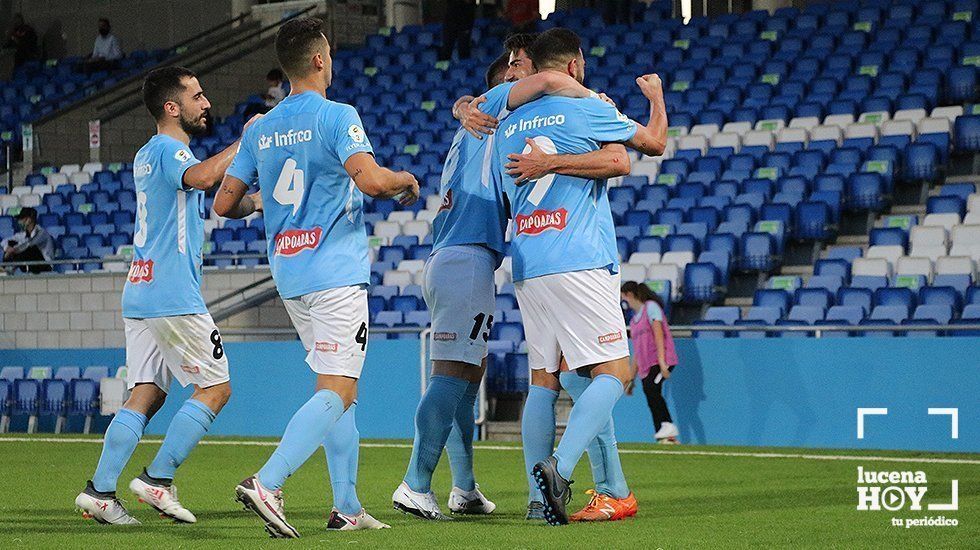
[274,74]
[554,47]
[29,213]
[295,42]
[496,70]
[519,41]
[163,85]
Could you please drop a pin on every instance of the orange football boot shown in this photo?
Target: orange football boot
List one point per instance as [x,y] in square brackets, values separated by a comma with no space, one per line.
[606,508]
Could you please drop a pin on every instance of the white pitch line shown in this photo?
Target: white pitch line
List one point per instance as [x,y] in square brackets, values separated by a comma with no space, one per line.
[731,454]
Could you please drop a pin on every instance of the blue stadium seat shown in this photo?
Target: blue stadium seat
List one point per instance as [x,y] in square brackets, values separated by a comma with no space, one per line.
[768,315]
[772,298]
[758,252]
[11,373]
[510,332]
[406,304]
[966,128]
[701,283]
[26,396]
[889,236]
[728,315]
[54,393]
[830,283]
[894,313]
[898,297]
[814,297]
[946,205]
[850,315]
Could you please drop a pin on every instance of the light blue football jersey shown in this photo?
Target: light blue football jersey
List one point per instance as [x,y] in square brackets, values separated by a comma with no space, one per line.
[165,276]
[312,208]
[561,223]
[473,210]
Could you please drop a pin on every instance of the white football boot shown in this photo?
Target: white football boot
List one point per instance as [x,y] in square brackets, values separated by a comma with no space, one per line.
[667,431]
[268,505]
[162,498]
[422,505]
[345,522]
[103,507]
[470,502]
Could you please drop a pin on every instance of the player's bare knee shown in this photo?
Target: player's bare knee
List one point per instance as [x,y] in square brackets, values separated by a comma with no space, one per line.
[214,397]
[619,368]
[544,379]
[145,399]
[457,369]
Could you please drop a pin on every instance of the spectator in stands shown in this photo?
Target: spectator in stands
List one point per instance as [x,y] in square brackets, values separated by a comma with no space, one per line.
[33,244]
[653,346]
[457,25]
[106,52]
[22,39]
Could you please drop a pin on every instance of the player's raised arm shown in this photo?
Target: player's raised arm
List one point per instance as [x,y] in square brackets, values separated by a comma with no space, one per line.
[651,139]
[609,162]
[208,173]
[380,182]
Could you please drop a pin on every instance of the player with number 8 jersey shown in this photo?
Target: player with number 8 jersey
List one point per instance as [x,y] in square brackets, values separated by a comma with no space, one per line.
[169,333]
[312,161]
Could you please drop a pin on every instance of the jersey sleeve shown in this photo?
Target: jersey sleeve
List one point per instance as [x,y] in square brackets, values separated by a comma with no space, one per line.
[176,159]
[244,165]
[654,313]
[606,124]
[347,132]
[497,97]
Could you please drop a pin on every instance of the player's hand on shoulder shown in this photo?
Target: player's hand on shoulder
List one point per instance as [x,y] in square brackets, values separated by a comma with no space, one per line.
[475,121]
[651,86]
[252,120]
[256,200]
[411,192]
[530,166]
[607,99]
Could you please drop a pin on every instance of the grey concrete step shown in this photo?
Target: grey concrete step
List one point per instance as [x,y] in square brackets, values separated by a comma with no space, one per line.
[798,270]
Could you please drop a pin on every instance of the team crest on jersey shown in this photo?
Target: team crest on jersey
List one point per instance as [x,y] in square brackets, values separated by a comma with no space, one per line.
[540,221]
[447,202]
[141,271]
[294,241]
[182,155]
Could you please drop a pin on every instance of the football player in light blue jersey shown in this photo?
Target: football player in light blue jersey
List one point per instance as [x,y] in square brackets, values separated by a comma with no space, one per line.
[312,161]
[468,245]
[566,266]
[169,333]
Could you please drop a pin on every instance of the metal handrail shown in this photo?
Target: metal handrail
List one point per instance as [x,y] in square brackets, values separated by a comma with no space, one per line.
[127,106]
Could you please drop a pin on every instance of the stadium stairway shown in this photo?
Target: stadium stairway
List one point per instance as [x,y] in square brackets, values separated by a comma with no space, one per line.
[230,57]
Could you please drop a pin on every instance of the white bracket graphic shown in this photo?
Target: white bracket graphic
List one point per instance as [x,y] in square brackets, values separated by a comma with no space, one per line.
[954,414]
[954,503]
[862,412]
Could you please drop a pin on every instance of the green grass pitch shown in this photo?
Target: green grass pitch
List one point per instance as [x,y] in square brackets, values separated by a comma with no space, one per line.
[711,500]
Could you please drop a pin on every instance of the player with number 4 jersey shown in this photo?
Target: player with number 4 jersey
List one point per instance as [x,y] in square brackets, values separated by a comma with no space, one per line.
[169,333]
[312,161]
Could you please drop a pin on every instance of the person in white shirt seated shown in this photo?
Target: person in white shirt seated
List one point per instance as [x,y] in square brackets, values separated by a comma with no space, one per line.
[106,52]
[32,244]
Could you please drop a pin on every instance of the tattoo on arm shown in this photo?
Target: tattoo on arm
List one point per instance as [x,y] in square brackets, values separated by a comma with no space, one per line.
[356,173]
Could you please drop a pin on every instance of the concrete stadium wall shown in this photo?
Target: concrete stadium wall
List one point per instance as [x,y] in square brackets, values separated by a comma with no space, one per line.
[84,310]
[757,392]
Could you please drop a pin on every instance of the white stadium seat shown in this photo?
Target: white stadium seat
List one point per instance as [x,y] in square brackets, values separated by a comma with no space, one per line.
[645,258]
[680,259]
[861,131]
[387,229]
[946,221]
[740,128]
[633,272]
[931,252]
[876,267]
[921,235]
[69,169]
[826,133]
[401,216]
[793,135]
[411,266]
[912,115]
[433,203]
[697,142]
[909,265]
[933,126]
[898,128]
[418,228]
[397,278]
[891,254]
[726,139]
[956,265]
[666,272]
[806,122]
[30,200]
[966,234]
[841,121]
[758,137]
[949,112]
[706,130]
[426,215]
[92,167]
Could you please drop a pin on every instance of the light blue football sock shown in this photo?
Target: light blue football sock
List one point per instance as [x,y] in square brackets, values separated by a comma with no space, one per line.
[592,411]
[188,426]
[306,431]
[342,447]
[459,446]
[607,470]
[537,432]
[121,438]
[433,422]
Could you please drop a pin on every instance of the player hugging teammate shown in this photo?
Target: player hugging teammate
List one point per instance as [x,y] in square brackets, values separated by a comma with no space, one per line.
[313,162]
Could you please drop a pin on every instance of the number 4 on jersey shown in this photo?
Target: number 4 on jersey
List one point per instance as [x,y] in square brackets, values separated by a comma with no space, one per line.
[290,186]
